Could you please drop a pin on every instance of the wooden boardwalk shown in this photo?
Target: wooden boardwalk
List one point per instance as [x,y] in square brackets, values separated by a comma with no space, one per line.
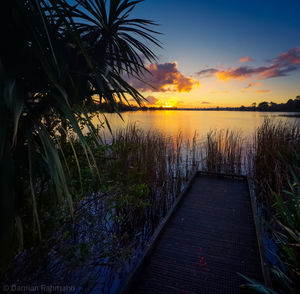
[204,244]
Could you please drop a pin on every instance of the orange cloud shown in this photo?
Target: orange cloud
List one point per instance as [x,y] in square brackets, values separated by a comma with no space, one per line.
[245,59]
[250,86]
[292,56]
[165,77]
[239,73]
[282,65]
[263,91]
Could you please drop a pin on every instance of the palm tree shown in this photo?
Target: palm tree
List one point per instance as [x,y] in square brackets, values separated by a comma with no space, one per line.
[64,56]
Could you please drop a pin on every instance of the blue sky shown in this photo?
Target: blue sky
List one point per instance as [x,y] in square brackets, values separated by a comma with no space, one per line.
[215,34]
[223,29]
[223,53]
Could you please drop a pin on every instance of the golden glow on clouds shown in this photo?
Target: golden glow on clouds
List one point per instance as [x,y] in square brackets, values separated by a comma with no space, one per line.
[263,91]
[252,88]
[245,59]
[284,64]
[222,76]
[165,77]
[224,87]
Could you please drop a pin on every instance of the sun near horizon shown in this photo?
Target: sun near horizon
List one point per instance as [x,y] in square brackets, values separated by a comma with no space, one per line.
[226,55]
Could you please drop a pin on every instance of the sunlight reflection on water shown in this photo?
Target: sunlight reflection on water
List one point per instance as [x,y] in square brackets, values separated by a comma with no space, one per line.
[187,122]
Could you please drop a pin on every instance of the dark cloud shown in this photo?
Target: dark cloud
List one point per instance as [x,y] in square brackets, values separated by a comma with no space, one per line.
[290,57]
[282,65]
[206,72]
[240,72]
[250,87]
[165,77]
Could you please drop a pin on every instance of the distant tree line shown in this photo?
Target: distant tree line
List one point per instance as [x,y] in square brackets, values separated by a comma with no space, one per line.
[292,105]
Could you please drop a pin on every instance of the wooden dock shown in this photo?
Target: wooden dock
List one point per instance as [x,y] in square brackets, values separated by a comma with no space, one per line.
[205,241]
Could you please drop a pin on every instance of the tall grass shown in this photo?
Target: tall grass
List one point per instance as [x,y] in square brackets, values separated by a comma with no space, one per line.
[275,149]
[223,151]
[274,163]
[285,228]
[154,162]
[276,171]
[141,174]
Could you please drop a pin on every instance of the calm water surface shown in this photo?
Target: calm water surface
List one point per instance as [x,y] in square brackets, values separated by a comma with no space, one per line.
[187,122]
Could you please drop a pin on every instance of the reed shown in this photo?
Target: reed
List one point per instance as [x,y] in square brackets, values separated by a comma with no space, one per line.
[141,174]
[275,150]
[121,193]
[276,170]
[223,151]
[148,160]
[285,228]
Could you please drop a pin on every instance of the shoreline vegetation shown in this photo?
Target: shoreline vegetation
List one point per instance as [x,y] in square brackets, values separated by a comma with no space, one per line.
[140,176]
[292,105]
[77,211]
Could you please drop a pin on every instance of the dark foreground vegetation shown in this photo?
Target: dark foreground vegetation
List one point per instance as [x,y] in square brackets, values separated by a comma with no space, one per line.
[123,191]
[276,170]
[273,161]
[77,211]
[57,58]
[118,199]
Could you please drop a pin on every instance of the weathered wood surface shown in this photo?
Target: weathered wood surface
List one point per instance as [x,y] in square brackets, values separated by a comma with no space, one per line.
[205,244]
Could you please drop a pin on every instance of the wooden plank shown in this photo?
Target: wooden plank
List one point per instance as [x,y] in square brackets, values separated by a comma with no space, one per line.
[203,242]
[150,247]
[258,224]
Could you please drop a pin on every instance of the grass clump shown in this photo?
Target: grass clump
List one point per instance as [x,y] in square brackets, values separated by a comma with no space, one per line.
[285,228]
[120,195]
[276,170]
[223,151]
[276,147]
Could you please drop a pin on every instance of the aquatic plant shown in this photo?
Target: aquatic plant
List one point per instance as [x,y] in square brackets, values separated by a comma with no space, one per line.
[275,150]
[286,232]
[141,174]
[64,56]
[223,151]
[276,171]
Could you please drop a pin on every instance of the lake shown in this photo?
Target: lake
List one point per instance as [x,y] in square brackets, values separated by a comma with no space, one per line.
[187,122]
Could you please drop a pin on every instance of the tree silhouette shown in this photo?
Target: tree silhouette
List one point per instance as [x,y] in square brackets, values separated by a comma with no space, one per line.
[57,57]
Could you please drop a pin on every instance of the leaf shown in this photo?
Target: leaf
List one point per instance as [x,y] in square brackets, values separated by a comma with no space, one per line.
[289,231]
[32,189]
[256,286]
[14,103]
[20,232]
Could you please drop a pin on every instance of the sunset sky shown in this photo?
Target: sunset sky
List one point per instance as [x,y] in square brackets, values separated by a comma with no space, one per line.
[223,53]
